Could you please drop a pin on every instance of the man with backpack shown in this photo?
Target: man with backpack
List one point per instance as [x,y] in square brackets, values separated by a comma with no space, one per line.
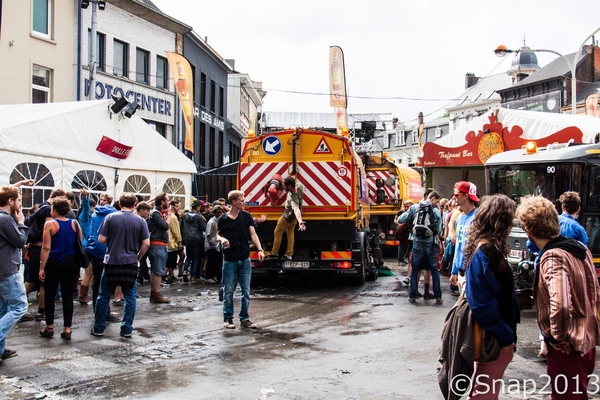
[426,222]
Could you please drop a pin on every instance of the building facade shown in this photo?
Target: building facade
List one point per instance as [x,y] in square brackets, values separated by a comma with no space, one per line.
[210,102]
[37,47]
[244,109]
[132,37]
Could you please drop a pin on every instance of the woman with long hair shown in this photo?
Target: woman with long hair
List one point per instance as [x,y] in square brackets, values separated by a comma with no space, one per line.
[490,291]
[58,264]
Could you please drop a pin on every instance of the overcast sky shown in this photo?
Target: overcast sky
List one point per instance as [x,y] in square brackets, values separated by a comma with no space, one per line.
[399,54]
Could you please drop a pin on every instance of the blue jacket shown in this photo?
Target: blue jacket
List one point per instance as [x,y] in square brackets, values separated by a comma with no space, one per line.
[569,227]
[84,219]
[409,216]
[482,291]
[93,247]
[463,226]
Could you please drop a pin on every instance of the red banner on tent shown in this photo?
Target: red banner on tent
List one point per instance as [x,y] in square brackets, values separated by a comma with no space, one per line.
[113,148]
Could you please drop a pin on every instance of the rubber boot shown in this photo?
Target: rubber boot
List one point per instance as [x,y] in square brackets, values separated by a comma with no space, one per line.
[83,295]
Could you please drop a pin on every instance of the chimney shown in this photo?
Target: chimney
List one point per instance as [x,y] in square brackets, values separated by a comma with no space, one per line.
[420,120]
[470,79]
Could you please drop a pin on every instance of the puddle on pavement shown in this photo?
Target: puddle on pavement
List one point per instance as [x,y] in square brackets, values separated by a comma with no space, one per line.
[363,331]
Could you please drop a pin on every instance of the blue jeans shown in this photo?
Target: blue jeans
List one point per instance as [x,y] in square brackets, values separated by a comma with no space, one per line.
[13,305]
[424,257]
[192,255]
[157,255]
[233,272]
[102,306]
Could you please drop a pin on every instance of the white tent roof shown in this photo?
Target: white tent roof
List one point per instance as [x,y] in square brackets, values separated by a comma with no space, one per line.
[536,125]
[72,131]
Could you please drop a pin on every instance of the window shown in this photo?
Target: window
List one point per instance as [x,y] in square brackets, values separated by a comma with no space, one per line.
[203,90]
[176,190]
[213,96]
[386,141]
[415,137]
[211,149]
[220,149]
[161,128]
[100,46]
[138,184]
[120,58]
[92,180]
[162,73]
[221,102]
[234,152]
[438,132]
[400,139]
[202,146]
[142,68]
[40,85]
[44,183]
[41,18]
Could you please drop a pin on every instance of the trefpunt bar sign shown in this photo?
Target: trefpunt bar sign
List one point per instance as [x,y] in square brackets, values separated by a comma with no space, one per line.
[505,129]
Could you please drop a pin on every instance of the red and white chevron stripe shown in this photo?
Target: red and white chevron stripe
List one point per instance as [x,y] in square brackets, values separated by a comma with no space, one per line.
[324,186]
[255,176]
[390,191]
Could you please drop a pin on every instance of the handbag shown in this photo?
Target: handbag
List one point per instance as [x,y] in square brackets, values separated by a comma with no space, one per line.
[82,258]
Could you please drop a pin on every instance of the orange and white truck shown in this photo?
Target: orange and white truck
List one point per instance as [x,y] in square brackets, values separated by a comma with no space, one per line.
[335,203]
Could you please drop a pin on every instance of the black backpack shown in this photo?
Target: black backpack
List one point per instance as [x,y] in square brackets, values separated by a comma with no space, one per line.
[36,225]
[423,222]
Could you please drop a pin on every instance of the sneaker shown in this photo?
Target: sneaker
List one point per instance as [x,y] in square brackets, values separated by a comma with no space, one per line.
[26,317]
[40,316]
[247,324]
[287,258]
[94,333]
[120,302]
[412,300]
[419,295]
[428,296]
[272,256]
[112,318]
[125,335]
[211,281]
[228,324]
[192,280]
[186,277]
[8,354]
[406,281]
[454,292]
[439,301]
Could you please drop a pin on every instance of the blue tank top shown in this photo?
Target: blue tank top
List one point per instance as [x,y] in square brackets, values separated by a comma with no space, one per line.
[63,241]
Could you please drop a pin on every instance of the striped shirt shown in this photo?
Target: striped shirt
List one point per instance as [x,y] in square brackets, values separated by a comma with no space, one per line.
[567,299]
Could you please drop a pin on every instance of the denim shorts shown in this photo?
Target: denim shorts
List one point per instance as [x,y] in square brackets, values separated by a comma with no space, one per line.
[158,259]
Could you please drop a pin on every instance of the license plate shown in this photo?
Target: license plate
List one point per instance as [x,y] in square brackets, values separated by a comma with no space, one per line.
[516,253]
[295,264]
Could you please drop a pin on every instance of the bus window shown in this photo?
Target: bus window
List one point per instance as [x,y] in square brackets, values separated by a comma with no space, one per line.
[592,227]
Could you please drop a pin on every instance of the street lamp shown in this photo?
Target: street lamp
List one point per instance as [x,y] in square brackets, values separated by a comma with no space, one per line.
[96,4]
[502,51]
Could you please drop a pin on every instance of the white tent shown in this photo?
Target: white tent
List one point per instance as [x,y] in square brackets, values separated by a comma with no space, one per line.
[56,143]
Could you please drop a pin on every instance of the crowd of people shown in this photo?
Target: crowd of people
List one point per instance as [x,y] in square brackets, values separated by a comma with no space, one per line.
[131,241]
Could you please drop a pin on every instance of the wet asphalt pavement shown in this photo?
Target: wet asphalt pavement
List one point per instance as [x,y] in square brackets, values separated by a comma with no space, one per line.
[316,340]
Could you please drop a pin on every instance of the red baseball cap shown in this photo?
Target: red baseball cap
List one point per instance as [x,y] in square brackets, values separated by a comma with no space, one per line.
[467,188]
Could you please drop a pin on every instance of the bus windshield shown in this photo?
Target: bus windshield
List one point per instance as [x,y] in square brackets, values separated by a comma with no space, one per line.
[550,181]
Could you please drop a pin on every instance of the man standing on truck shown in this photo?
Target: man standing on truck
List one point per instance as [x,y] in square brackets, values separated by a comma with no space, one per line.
[287,222]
